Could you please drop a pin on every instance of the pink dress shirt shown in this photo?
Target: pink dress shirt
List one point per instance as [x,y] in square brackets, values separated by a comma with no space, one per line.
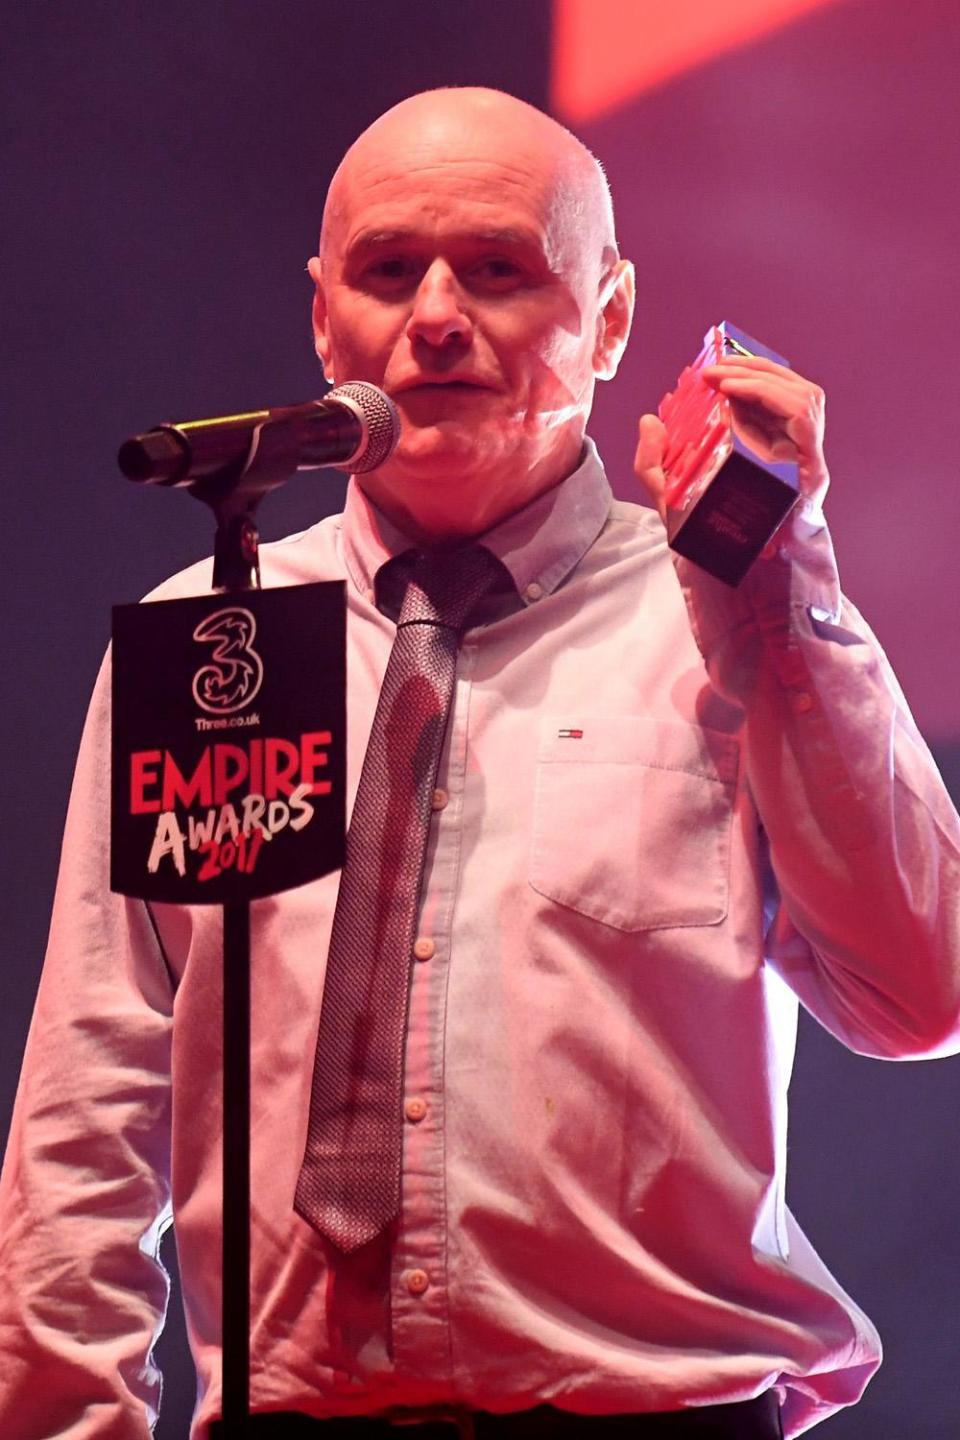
[667,811]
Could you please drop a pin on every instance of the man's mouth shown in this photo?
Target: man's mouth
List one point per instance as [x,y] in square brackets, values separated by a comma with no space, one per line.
[435,387]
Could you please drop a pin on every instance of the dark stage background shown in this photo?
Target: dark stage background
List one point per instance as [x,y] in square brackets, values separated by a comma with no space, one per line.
[164,171]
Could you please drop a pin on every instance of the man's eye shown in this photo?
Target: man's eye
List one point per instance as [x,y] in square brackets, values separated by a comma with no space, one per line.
[392,272]
[498,272]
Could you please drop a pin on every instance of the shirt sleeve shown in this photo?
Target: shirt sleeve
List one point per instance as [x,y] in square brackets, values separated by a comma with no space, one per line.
[85,1194]
[863,840]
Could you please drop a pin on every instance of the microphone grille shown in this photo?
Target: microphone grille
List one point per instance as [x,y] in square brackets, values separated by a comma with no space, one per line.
[381,424]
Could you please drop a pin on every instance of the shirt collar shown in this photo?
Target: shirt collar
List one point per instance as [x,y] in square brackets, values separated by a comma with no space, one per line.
[539,544]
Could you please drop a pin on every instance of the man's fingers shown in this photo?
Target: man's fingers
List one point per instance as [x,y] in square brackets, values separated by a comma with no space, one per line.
[648,461]
[781,399]
[652,442]
[754,363]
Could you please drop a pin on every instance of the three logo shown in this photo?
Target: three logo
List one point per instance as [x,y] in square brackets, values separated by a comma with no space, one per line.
[232,677]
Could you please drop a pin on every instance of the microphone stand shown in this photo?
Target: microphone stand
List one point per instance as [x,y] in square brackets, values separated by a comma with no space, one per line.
[234,494]
[233,491]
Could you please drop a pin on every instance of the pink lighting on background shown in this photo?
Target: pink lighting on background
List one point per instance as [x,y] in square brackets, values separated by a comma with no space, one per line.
[605,51]
[802,185]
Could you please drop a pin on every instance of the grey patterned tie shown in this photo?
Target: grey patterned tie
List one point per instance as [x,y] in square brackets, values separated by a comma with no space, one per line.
[349,1184]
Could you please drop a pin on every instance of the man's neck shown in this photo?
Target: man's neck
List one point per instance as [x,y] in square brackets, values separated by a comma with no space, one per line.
[441,515]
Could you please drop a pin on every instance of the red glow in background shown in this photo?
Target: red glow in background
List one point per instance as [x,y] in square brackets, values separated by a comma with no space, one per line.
[792,167]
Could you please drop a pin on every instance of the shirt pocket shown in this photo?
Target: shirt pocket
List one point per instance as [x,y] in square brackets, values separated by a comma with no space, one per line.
[632,819]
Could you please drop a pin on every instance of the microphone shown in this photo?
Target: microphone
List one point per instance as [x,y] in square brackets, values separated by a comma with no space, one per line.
[354,427]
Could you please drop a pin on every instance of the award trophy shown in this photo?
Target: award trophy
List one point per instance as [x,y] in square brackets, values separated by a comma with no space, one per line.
[723,500]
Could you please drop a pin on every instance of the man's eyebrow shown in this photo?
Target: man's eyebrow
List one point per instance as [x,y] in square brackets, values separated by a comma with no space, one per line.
[508,236]
[374,239]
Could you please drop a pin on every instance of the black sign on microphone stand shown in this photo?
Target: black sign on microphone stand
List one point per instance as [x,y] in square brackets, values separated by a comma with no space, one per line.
[229,744]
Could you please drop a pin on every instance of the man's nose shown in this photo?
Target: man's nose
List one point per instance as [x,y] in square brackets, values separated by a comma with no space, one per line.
[438,316]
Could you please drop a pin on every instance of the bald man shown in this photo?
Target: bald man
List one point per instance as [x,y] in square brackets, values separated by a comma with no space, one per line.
[664,811]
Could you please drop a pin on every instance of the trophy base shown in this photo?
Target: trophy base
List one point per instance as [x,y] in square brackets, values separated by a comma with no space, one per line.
[725,521]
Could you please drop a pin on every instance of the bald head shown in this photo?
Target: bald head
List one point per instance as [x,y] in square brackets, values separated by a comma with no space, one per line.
[470,125]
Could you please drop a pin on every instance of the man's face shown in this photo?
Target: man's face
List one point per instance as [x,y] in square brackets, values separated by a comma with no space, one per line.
[456,277]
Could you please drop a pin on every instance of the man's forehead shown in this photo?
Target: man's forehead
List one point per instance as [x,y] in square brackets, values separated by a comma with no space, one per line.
[501,204]
[449,152]
[433,175]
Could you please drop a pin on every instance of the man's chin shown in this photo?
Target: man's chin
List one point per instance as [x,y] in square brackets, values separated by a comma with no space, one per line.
[438,452]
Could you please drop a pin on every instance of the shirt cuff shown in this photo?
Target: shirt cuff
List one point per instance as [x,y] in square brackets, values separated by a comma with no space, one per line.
[763,620]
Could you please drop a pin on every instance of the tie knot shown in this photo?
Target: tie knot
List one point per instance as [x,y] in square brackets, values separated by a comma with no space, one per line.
[444,586]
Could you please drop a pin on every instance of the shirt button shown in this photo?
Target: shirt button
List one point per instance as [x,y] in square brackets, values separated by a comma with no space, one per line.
[439,799]
[802,701]
[533,591]
[417,1281]
[415,1109]
[424,948]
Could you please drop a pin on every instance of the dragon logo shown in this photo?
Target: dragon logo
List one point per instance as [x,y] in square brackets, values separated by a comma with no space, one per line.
[233,677]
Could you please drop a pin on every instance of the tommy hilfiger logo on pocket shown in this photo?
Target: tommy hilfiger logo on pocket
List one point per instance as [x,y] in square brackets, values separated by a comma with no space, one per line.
[569,734]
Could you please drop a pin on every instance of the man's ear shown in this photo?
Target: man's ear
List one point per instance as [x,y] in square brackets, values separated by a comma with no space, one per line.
[617,297]
[321,339]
